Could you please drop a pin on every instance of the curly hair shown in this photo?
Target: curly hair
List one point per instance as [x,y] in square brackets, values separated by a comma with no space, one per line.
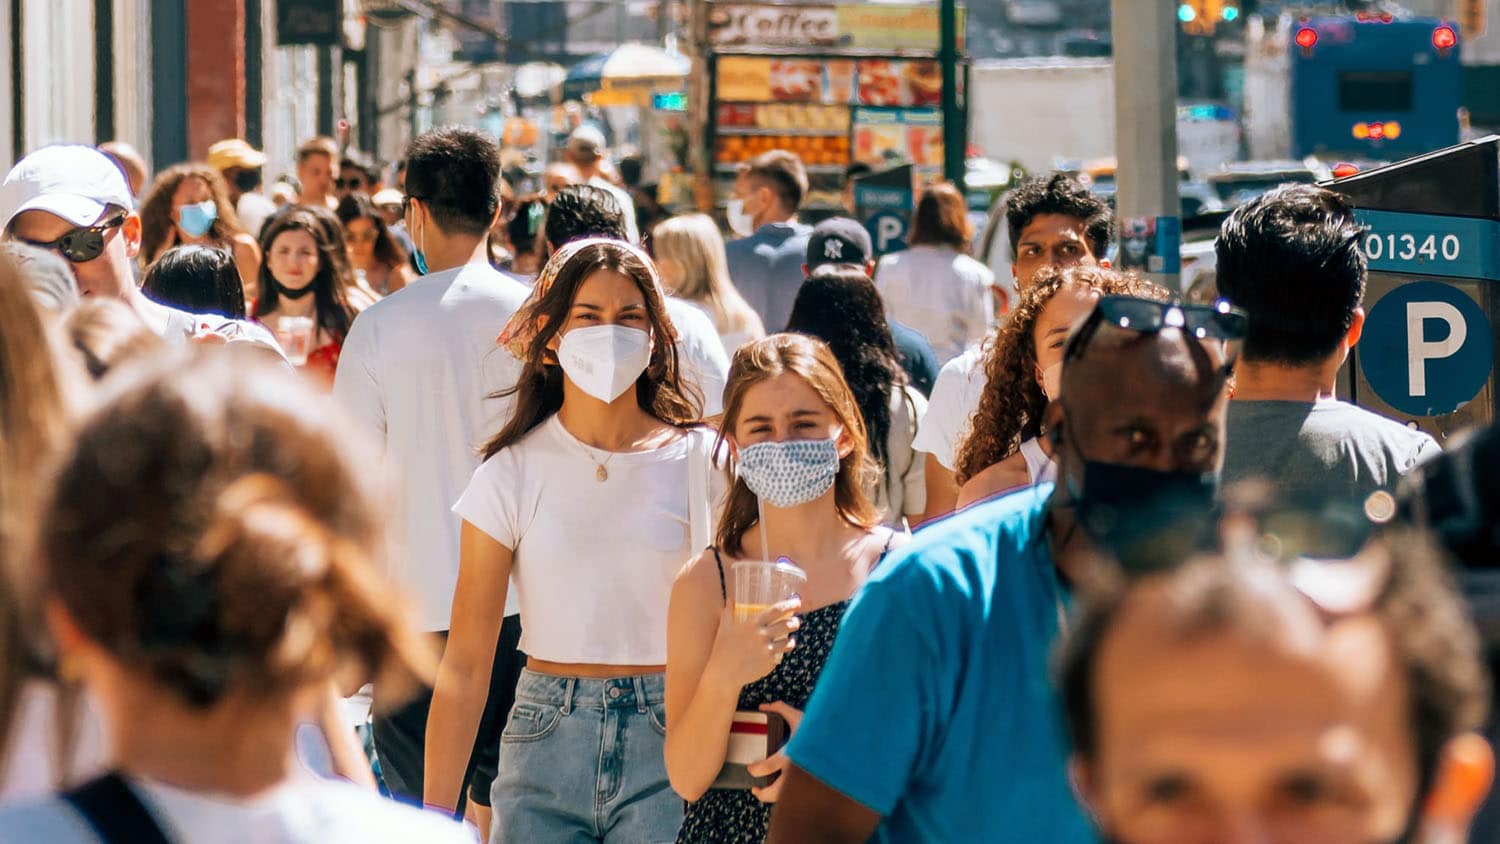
[156,210]
[1058,193]
[1010,409]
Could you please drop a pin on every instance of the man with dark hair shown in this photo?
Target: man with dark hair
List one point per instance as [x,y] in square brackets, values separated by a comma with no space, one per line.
[579,211]
[421,371]
[934,718]
[1240,698]
[1292,260]
[1053,221]
[357,174]
[842,241]
[766,261]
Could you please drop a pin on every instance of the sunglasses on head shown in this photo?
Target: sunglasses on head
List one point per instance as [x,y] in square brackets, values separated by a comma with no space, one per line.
[82,244]
[1220,321]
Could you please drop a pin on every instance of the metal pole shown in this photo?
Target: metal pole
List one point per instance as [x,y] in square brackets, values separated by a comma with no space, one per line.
[953,118]
[1145,66]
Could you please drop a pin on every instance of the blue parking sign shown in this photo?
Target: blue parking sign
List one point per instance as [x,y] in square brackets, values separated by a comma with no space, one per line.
[887,231]
[1427,348]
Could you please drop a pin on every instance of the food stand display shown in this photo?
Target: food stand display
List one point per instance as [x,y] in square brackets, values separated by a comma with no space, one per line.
[833,83]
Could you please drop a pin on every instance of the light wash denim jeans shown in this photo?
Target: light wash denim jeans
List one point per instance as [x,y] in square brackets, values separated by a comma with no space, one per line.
[581,760]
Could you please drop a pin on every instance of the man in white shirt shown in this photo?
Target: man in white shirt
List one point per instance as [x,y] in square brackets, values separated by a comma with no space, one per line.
[420,368]
[586,148]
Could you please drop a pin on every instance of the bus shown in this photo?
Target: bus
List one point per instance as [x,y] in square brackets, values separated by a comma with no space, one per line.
[1373,86]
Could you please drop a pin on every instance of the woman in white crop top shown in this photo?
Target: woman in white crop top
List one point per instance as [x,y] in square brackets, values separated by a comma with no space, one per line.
[1023,372]
[803,466]
[588,501]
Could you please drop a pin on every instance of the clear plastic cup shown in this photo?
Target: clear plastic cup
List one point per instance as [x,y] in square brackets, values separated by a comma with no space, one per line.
[295,334]
[761,584]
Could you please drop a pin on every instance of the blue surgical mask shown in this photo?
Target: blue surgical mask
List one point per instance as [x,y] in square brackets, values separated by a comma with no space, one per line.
[418,256]
[791,472]
[195,220]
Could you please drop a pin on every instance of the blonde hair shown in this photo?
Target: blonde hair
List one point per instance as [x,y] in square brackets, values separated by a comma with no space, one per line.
[694,242]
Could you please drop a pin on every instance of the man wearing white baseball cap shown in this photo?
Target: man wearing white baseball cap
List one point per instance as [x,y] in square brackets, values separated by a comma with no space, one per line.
[73,201]
[586,149]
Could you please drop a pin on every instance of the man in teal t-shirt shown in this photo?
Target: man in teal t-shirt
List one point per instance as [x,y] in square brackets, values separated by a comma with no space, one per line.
[936,719]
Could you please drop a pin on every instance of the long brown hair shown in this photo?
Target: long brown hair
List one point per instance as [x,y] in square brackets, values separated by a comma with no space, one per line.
[212,532]
[941,217]
[34,426]
[156,209]
[660,391]
[335,274]
[1010,409]
[809,359]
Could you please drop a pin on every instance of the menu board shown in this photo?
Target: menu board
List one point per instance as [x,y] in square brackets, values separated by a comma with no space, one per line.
[890,82]
[887,136]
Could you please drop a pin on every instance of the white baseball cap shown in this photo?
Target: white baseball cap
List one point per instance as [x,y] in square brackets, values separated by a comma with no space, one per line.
[73,182]
[588,140]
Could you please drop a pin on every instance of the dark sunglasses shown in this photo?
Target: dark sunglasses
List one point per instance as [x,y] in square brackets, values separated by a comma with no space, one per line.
[1220,321]
[350,184]
[82,244]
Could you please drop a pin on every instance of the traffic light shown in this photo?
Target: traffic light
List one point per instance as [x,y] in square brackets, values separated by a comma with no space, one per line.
[1471,17]
[1202,17]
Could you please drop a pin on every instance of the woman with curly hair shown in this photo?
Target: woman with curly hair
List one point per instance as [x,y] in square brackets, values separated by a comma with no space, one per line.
[189,204]
[1023,370]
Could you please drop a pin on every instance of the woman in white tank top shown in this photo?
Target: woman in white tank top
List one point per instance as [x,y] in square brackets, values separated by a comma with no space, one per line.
[588,501]
[1004,449]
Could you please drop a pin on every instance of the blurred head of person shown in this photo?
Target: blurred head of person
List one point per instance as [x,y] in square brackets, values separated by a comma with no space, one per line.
[369,238]
[49,277]
[357,174]
[451,196]
[318,169]
[197,279]
[839,305]
[690,256]
[105,333]
[306,256]
[188,203]
[524,231]
[73,201]
[579,211]
[1291,259]
[588,285]
[632,169]
[1023,364]
[240,165]
[558,176]
[941,219]
[388,203]
[207,559]
[769,188]
[789,387]
[586,149]
[1243,698]
[1055,221]
[130,162]
[852,174]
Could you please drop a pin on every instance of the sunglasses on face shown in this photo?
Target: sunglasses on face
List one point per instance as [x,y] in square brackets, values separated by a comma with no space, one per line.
[1220,322]
[350,184]
[82,244]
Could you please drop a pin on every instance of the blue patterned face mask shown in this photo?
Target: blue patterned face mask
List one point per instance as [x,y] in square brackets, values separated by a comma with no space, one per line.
[791,472]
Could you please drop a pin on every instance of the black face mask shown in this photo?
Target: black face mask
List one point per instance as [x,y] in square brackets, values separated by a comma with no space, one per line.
[289,293]
[247,180]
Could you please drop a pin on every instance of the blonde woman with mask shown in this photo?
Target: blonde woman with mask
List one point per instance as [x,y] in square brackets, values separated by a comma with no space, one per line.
[690,252]
[588,501]
[803,466]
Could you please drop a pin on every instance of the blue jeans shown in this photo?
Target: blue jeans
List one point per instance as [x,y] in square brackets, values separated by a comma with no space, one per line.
[581,760]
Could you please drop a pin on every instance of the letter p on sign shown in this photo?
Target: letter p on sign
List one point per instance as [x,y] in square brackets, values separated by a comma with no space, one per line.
[1420,350]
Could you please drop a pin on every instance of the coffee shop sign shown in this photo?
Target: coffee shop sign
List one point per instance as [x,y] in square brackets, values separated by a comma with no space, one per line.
[774,26]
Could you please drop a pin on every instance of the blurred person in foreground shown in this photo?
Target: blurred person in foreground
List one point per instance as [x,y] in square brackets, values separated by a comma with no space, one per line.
[944,655]
[206,569]
[1053,221]
[580,211]
[72,200]
[418,369]
[842,242]
[1292,259]
[766,260]
[241,164]
[189,204]
[933,285]
[1241,698]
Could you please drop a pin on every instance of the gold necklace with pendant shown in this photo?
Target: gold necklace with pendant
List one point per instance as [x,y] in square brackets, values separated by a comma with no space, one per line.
[601,474]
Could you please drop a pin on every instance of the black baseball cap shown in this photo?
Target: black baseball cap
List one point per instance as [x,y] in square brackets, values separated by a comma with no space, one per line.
[838,240]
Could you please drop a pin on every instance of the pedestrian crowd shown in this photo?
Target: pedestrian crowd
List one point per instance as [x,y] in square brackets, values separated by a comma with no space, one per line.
[449,511]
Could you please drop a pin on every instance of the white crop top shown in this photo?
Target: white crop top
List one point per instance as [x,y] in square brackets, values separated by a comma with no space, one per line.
[1038,465]
[594,560]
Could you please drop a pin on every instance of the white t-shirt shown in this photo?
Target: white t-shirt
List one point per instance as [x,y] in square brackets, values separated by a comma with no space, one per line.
[941,293]
[30,767]
[700,352]
[417,368]
[253,210]
[905,490]
[627,205]
[300,811]
[954,399]
[594,561]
